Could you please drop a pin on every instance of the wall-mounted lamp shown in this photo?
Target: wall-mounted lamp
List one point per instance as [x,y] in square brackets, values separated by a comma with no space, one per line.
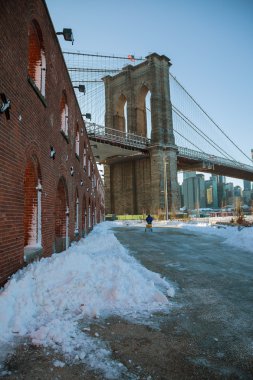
[81,88]
[87,115]
[81,182]
[88,189]
[52,152]
[67,34]
[5,107]
[81,131]
[72,171]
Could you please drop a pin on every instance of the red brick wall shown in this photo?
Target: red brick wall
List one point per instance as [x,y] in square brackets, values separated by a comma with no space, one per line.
[26,138]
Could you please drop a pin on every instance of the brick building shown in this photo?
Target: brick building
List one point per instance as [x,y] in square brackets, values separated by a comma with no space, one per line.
[50,188]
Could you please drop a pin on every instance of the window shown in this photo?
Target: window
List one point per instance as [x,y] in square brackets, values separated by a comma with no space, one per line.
[36,58]
[77,141]
[84,159]
[77,216]
[64,114]
[89,168]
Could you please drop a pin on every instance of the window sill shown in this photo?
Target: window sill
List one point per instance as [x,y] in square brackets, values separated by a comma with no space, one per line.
[32,253]
[37,91]
[65,136]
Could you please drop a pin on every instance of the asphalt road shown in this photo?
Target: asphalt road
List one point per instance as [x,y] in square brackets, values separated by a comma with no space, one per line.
[213,304]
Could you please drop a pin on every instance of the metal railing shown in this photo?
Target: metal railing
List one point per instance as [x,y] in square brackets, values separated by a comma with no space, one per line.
[140,142]
[211,159]
[115,136]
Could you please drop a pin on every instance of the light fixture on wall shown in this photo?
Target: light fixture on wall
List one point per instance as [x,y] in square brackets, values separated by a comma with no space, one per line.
[81,88]
[52,152]
[81,182]
[87,115]
[5,107]
[67,34]
[72,171]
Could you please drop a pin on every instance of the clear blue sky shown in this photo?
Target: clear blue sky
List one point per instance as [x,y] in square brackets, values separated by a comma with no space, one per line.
[210,43]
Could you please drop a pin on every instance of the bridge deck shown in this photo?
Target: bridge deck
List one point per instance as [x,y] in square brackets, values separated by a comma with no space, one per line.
[116,146]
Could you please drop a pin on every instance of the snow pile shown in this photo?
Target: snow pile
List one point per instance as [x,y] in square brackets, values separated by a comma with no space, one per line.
[94,278]
[240,238]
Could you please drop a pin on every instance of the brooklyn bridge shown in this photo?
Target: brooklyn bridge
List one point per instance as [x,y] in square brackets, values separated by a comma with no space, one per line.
[145,128]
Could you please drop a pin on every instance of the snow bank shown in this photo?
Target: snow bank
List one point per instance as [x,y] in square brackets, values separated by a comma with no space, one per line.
[94,278]
[240,238]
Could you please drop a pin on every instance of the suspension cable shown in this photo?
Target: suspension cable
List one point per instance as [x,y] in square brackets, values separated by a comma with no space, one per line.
[204,136]
[210,117]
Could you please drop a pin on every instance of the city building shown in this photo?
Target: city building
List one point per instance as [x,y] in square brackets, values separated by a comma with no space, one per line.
[193,190]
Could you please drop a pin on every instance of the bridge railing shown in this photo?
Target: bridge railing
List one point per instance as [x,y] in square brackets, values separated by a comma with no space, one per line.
[115,136]
[211,159]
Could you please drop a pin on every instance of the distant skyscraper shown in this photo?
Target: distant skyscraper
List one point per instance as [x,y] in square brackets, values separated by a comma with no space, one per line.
[193,190]
[246,194]
[246,185]
[221,191]
[212,192]
[214,179]
[229,191]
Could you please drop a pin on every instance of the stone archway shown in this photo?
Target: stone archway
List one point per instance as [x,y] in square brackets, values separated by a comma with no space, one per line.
[32,210]
[61,217]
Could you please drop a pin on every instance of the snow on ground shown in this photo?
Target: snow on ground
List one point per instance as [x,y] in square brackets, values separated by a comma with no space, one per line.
[95,278]
[240,238]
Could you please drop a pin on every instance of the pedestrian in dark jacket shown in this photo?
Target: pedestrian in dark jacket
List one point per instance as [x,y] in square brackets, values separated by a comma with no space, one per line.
[149,219]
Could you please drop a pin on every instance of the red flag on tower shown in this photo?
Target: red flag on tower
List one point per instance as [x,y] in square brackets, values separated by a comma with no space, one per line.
[131,57]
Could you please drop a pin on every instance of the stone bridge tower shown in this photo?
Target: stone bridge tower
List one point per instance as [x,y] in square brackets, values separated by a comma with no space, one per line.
[137,184]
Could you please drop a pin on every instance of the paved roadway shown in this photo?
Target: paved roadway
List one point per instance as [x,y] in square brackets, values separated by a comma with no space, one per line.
[210,327]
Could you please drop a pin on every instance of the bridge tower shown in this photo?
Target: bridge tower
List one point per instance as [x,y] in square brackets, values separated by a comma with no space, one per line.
[139,184]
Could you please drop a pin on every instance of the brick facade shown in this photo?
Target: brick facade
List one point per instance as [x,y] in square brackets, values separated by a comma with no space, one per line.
[41,194]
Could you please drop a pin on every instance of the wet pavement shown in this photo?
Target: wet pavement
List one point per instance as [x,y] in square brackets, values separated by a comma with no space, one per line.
[208,334]
[212,309]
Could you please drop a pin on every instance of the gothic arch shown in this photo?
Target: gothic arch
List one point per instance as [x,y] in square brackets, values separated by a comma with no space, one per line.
[32,203]
[36,57]
[61,216]
[143,111]
[119,119]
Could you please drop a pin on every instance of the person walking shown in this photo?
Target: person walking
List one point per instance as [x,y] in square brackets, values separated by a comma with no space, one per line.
[149,221]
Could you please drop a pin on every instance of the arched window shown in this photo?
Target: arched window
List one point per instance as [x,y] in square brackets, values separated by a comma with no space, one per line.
[77,216]
[84,217]
[84,158]
[89,167]
[61,217]
[144,124]
[120,116]
[37,58]
[32,207]
[64,114]
[77,141]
